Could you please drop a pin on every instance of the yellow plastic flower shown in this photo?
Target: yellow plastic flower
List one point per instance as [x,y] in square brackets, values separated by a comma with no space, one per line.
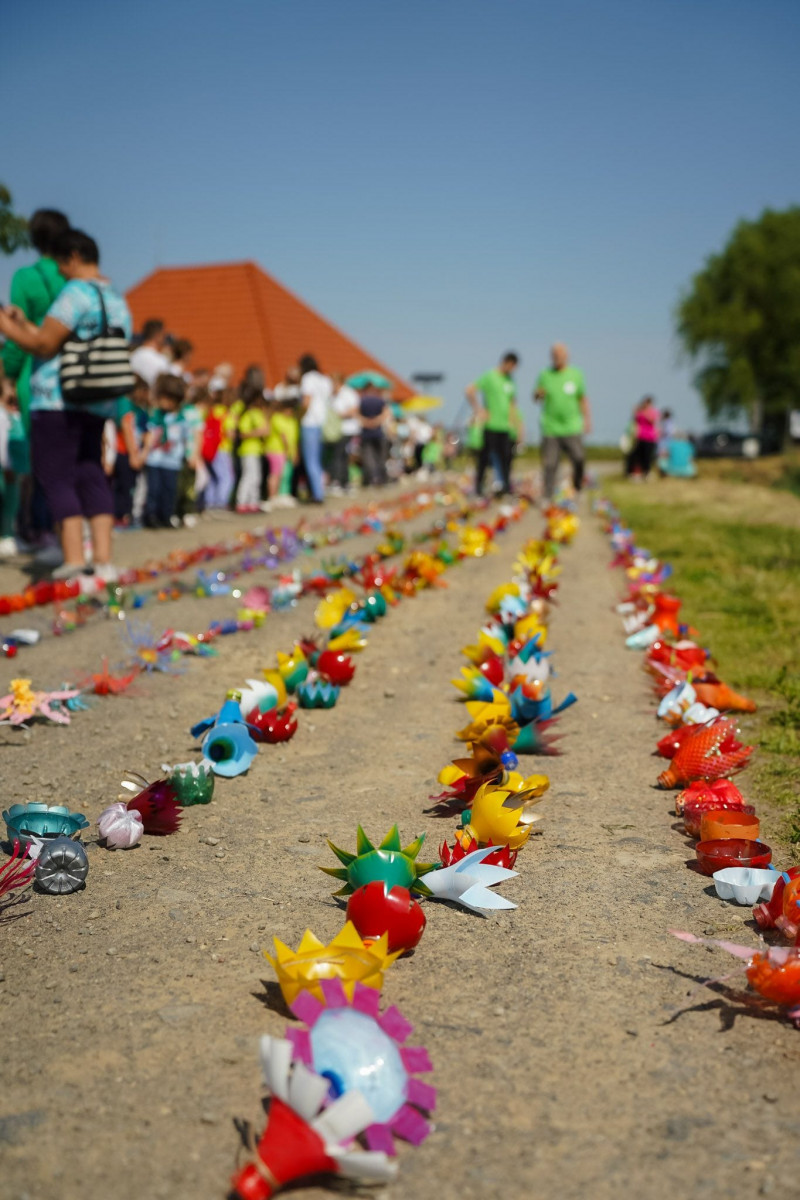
[349,642]
[528,627]
[276,679]
[487,644]
[332,608]
[347,958]
[499,594]
[502,815]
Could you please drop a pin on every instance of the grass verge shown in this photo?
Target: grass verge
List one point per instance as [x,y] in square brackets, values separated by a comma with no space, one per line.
[735,551]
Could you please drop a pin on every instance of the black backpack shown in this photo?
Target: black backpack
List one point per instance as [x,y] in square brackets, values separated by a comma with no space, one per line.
[97,368]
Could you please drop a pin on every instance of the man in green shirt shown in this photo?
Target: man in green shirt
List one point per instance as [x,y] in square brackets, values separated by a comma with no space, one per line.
[566,417]
[491,398]
[33,289]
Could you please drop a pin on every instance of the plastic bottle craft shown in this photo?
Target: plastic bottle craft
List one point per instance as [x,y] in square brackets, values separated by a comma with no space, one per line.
[346,957]
[377,910]
[62,867]
[712,753]
[277,725]
[782,911]
[467,882]
[305,1134]
[34,825]
[120,827]
[357,1049]
[389,862]
[227,744]
[156,803]
[23,704]
[773,972]
[502,816]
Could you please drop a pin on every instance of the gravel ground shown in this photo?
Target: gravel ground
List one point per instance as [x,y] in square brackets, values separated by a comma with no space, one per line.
[131,1011]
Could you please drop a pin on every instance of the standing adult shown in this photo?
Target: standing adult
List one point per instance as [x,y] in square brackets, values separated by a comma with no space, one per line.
[373,413]
[646,419]
[33,290]
[491,397]
[316,391]
[150,359]
[566,417]
[345,404]
[66,439]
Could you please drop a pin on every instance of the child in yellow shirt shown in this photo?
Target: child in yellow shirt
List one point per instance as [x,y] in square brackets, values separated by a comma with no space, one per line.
[254,427]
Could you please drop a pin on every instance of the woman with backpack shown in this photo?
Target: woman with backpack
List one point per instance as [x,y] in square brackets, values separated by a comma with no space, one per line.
[67,422]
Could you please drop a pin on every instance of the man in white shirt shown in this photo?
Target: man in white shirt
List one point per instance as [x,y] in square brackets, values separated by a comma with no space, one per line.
[345,404]
[148,360]
[316,391]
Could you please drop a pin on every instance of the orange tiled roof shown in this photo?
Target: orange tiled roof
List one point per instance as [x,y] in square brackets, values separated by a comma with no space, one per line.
[237,313]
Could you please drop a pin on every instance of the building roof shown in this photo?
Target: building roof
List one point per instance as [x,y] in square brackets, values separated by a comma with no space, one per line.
[237,313]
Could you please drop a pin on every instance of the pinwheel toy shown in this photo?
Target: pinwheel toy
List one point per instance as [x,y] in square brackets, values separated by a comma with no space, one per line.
[346,957]
[389,862]
[305,1134]
[359,1050]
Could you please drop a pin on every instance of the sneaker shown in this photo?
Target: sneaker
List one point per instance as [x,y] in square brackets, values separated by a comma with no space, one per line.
[175,522]
[8,547]
[190,520]
[266,506]
[49,556]
[68,571]
[106,572]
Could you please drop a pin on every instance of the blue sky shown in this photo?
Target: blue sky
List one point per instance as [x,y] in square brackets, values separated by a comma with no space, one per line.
[445,179]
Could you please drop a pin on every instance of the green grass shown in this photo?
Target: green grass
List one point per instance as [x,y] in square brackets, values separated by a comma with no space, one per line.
[740,584]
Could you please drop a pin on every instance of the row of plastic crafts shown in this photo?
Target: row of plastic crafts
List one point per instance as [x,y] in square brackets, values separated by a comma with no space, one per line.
[145,651]
[345,1082]
[704,750]
[256,549]
[45,839]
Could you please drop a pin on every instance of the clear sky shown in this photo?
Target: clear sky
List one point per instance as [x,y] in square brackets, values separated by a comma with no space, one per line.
[444,179]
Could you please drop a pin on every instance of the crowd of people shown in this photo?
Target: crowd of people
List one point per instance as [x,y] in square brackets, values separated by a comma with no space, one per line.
[168,441]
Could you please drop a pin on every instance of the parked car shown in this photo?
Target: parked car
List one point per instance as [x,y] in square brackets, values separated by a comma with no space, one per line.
[722,443]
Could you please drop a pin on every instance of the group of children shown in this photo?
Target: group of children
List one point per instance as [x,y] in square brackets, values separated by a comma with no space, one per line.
[175,449]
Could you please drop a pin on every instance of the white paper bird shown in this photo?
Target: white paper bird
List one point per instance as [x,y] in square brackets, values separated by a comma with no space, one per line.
[467,882]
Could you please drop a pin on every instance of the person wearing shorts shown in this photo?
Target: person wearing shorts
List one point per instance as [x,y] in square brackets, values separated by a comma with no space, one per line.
[566,417]
[67,441]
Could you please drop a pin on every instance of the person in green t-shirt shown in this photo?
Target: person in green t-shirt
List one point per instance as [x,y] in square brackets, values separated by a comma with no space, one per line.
[492,397]
[33,289]
[566,417]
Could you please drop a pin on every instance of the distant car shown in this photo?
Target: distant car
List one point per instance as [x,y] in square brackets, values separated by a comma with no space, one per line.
[722,443]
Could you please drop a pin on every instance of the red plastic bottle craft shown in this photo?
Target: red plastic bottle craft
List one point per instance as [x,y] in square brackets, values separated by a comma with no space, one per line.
[274,726]
[375,909]
[783,910]
[713,753]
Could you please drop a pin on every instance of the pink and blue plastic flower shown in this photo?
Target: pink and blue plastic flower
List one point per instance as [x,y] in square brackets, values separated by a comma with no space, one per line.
[356,1048]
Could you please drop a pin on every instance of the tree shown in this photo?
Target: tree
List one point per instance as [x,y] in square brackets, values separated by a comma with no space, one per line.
[13,229]
[740,321]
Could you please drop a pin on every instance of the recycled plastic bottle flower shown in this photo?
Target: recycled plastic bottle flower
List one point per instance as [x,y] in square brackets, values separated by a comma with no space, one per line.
[336,668]
[390,862]
[467,882]
[355,1048]
[772,971]
[712,753]
[317,693]
[376,910]
[306,1135]
[293,668]
[502,816]
[346,957]
[22,704]
[156,803]
[475,685]
[276,725]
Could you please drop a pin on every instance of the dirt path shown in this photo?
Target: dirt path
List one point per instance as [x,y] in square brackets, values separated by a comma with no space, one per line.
[131,1011]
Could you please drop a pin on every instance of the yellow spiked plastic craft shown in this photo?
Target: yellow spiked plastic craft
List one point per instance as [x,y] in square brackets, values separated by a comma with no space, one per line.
[502,815]
[347,958]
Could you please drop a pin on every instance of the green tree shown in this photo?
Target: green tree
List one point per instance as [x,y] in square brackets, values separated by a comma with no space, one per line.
[13,229]
[740,322]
